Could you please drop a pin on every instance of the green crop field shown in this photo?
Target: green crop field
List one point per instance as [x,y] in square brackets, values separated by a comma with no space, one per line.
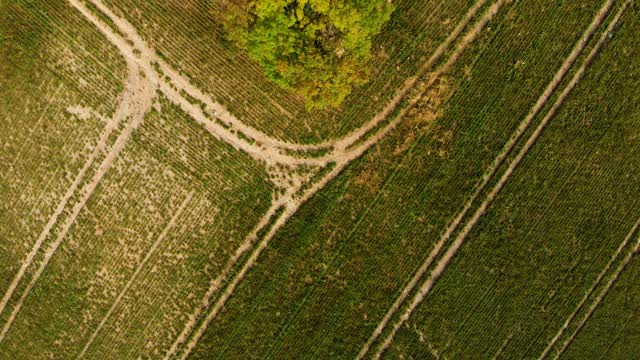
[477,198]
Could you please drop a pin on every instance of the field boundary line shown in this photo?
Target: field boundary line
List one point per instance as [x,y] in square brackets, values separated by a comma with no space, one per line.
[133,107]
[133,277]
[293,205]
[451,251]
[598,300]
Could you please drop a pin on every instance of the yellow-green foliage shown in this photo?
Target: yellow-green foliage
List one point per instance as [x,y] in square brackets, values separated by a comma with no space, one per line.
[318,48]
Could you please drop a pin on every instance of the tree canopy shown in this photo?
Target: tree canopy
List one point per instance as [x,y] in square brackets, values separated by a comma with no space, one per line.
[318,48]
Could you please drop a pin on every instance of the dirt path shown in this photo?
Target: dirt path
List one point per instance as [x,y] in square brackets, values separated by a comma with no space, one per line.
[182,83]
[586,296]
[342,158]
[444,261]
[599,298]
[133,277]
[136,102]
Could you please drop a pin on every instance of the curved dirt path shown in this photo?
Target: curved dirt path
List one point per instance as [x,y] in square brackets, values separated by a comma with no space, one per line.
[444,261]
[136,102]
[270,149]
[342,159]
[135,49]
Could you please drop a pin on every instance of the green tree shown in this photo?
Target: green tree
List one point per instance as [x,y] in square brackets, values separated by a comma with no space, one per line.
[318,48]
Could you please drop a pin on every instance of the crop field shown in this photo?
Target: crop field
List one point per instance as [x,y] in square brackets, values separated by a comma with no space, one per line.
[162,198]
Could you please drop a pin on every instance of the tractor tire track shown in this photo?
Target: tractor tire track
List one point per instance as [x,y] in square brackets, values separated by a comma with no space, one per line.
[599,298]
[219,280]
[132,88]
[172,222]
[590,291]
[444,261]
[136,102]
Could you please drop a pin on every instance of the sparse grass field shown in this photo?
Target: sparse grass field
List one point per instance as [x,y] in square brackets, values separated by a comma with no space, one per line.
[478,198]
[51,64]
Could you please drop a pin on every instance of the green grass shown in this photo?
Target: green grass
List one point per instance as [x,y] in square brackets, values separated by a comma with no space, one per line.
[552,229]
[327,278]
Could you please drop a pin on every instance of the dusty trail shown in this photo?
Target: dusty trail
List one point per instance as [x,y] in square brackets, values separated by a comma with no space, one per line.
[599,298]
[133,277]
[342,160]
[125,108]
[182,83]
[590,291]
[354,136]
[144,57]
[137,101]
[444,261]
